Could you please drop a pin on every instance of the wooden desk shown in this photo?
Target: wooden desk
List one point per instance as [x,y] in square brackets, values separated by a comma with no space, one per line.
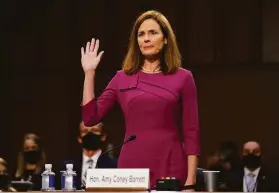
[59,191]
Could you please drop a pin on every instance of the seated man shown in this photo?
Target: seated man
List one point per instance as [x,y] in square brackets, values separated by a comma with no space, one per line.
[253,176]
[92,140]
[256,177]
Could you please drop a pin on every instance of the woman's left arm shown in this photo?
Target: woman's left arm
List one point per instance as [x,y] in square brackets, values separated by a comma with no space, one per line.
[190,126]
[192,167]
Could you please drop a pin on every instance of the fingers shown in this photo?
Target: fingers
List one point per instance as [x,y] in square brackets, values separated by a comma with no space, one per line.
[82,51]
[87,47]
[92,45]
[96,46]
[100,55]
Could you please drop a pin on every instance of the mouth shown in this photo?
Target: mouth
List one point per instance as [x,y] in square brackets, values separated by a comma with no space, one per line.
[146,47]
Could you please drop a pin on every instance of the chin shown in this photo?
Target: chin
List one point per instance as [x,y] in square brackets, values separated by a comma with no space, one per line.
[148,54]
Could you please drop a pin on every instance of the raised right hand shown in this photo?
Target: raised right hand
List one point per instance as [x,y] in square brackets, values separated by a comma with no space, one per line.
[90,57]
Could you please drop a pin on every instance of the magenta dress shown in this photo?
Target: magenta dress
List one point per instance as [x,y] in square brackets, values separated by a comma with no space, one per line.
[161,110]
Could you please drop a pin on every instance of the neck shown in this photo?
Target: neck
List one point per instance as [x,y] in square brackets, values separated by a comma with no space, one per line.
[89,153]
[252,169]
[30,166]
[151,65]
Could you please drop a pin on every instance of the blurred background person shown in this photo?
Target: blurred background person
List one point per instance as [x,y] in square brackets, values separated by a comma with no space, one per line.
[31,161]
[227,160]
[3,166]
[93,143]
[254,176]
[111,154]
[5,185]
[4,178]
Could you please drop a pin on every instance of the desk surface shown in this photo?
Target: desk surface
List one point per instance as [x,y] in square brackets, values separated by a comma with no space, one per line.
[126,192]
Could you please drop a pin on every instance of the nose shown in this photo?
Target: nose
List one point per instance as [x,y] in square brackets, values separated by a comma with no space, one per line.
[146,38]
[30,149]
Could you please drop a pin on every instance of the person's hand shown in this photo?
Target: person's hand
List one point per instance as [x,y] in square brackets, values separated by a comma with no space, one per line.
[90,57]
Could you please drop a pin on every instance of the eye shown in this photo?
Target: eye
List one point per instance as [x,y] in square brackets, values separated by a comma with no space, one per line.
[140,34]
[33,147]
[153,32]
[256,151]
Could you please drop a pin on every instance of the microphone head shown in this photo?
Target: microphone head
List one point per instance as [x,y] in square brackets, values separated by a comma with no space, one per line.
[132,137]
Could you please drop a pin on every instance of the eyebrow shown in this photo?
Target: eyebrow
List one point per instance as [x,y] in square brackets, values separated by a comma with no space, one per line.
[142,31]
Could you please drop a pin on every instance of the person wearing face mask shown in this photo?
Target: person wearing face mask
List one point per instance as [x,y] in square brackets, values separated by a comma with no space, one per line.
[256,178]
[92,141]
[253,176]
[31,161]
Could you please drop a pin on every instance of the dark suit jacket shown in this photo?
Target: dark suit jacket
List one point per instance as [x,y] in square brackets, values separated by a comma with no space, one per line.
[36,179]
[200,186]
[266,181]
[104,161]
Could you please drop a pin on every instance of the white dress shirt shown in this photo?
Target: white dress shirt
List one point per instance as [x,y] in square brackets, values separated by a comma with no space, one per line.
[246,172]
[85,164]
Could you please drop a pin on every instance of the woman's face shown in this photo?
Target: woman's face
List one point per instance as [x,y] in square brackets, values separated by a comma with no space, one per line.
[30,151]
[150,37]
[29,145]
[2,168]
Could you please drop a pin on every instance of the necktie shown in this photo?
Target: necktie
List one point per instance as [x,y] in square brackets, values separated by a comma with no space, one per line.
[90,165]
[250,182]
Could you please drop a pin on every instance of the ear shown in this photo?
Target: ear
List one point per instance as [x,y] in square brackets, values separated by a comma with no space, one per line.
[165,41]
[79,140]
[104,137]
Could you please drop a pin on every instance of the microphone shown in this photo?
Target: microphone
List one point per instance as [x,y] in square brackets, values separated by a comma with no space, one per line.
[131,138]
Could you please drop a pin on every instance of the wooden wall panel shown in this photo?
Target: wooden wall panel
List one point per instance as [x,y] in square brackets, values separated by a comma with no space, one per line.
[270,31]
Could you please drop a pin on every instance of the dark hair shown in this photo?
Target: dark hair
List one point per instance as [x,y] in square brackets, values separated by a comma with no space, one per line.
[171,58]
[229,152]
[42,158]
[228,148]
[99,125]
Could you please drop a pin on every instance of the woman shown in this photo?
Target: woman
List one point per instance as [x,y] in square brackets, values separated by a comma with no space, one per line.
[157,97]
[3,166]
[31,161]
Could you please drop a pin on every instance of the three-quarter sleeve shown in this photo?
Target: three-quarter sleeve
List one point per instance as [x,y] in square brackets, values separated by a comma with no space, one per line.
[190,120]
[94,111]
